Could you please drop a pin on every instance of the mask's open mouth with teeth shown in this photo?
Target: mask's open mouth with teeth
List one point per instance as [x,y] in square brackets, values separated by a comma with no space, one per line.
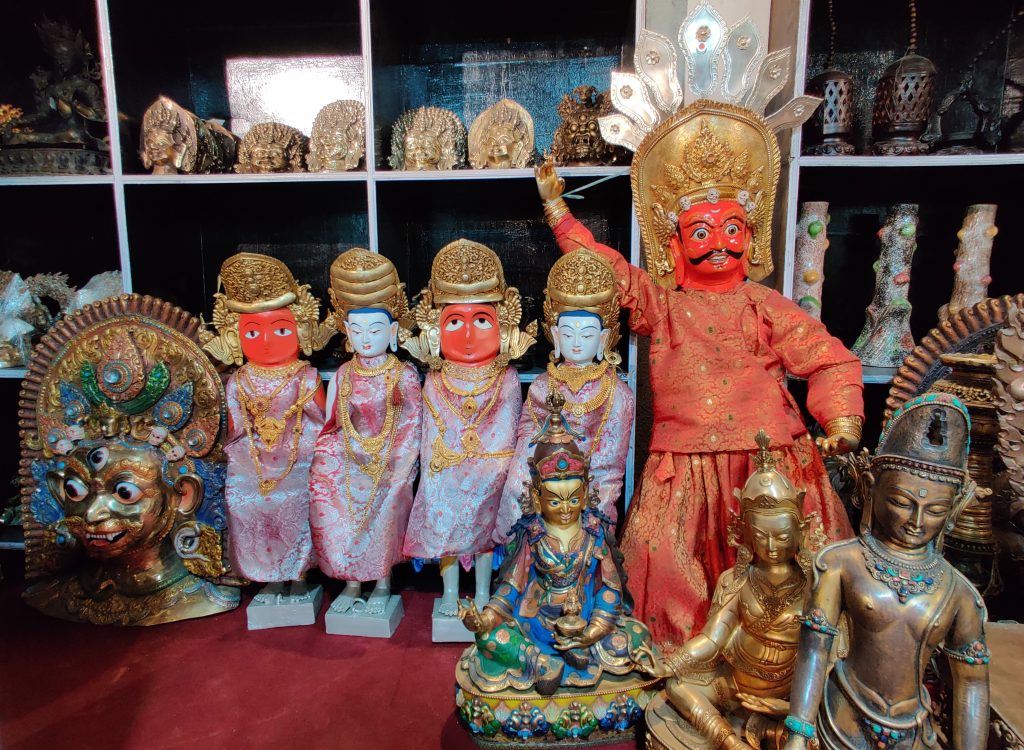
[104,539]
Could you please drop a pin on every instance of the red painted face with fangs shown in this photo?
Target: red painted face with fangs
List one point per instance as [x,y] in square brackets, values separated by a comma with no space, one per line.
[470,336]
[709,245]
[269,339]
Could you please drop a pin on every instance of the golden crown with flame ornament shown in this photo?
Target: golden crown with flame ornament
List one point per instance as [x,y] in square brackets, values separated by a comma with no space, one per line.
[583,281]
[255,283]
[467,272]
[720,147]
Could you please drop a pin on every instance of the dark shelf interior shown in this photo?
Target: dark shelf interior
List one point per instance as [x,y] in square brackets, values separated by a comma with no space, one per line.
[59,228]
[465,56]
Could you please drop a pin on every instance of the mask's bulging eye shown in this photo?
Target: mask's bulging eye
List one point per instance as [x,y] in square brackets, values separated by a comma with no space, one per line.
[453,325]
[75,489]
[253,334]
[282,332]
[700,235]
[483,324]
[98,457]
[127,492]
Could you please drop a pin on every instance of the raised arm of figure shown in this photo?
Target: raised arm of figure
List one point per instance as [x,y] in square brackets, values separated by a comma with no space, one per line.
[646,301]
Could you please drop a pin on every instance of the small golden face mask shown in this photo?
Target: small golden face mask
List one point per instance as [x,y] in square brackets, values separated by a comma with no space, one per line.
[115,498]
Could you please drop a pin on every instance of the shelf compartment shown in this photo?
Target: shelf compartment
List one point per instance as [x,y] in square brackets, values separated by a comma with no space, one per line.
[60,229]
[208,60]
[179,238]
[416,219]
[459,56]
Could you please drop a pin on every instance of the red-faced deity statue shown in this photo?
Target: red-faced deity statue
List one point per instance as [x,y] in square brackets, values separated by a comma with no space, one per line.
[269,339]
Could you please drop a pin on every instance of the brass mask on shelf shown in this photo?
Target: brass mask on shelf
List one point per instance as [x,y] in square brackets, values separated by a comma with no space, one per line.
[123,469]
[272,147]
[176,141]
[426,139]
[501,137]
[338,139]
[578,138]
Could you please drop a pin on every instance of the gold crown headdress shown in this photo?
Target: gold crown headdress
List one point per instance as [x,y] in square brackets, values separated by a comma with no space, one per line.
[768,489]
[719,147]
[294,144]
[360,278]
[466,272]
[584,281]
[509,113]
[256,283]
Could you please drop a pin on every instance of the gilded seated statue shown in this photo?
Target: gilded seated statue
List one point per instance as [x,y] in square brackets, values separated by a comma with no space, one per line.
[736,673]
[558,623]
[901,600]
[123,506]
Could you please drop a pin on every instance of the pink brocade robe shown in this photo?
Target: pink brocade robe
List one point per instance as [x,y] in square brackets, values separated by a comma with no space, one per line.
[455,508]
[718,375]
[354,542]
[607,457]
[268,535]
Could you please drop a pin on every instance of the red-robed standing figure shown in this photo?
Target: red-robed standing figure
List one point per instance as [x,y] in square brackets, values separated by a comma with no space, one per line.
[720,348]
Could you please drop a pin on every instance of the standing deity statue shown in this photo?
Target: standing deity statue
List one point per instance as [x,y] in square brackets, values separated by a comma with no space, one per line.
[899,599]
[122,468]
[275,406]
[581,319]
[705,178]
[559,619]
[468,321]
[365,460]
[727,680]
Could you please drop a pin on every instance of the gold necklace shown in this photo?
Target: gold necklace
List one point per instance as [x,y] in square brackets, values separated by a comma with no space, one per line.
[472,374]
[577,377]
[268,428]
[374,445]
[469,405]
[442,457]
[390,361]
[774,600]
[267,485]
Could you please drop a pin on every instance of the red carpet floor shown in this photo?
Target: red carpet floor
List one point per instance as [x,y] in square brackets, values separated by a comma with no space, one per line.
[210,683]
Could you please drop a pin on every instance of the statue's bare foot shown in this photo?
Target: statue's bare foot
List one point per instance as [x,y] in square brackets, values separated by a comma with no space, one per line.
[378,600]
[449,606]
[270,594]
[346,598]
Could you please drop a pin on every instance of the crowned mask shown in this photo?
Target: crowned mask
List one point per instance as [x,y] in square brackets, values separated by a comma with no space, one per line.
[501,137]
[364,281]
[338,138]
[272,147]
[719,148]
[254,284]
[468,273]
[428,138]
[123,472]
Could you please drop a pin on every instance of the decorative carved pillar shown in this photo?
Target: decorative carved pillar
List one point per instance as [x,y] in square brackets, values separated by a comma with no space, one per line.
[811,244]
[970,286]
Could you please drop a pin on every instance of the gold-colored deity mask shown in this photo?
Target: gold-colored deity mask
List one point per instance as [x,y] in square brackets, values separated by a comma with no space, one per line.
[175,141]
[428,138]
[501,137]
[338,138]
[272,147]
[116,499]
[123,512]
